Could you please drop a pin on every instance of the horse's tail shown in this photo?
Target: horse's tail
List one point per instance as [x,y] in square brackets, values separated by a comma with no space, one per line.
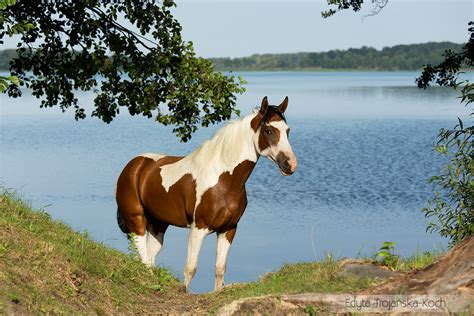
[121,223]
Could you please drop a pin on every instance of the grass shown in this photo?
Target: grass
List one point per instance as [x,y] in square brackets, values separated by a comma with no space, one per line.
[419,260]
[387,257]
[47,267]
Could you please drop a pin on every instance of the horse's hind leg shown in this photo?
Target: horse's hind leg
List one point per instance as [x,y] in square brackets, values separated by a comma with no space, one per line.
[156,234]
[136,224]
[131,214]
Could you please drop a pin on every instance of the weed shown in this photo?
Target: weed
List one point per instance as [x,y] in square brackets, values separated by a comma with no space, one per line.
[386,255]
[15,298]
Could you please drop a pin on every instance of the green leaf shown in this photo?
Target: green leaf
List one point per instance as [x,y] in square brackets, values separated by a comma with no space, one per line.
[14,80]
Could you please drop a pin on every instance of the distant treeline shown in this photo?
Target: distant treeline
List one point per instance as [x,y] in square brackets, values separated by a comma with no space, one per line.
[5,56]
[400,57]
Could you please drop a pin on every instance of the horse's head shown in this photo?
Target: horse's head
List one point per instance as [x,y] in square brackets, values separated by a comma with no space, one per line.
[271,136]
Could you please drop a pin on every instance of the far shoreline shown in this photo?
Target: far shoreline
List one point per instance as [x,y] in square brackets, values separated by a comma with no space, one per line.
[322,70]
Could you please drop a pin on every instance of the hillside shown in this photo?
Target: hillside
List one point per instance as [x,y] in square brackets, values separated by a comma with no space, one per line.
[45,267]
[399,57]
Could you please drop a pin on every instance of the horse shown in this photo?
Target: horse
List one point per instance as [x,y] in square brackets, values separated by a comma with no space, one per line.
[203,191]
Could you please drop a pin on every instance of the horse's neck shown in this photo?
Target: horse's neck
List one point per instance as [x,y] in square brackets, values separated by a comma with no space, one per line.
[227,149]
[230,155]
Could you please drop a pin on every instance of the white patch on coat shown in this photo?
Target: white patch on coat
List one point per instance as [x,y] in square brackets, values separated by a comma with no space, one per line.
[231,145]
[153,156]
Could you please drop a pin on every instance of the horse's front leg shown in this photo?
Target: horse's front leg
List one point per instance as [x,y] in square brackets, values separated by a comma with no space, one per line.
[224,240]
[196,236]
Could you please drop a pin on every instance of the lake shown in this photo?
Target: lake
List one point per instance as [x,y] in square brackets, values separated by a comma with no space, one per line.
[364,147]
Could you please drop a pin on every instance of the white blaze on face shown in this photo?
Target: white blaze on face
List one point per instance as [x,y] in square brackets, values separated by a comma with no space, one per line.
[283,144]
[281,151]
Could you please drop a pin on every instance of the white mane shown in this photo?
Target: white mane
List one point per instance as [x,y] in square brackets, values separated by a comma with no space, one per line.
[229,146]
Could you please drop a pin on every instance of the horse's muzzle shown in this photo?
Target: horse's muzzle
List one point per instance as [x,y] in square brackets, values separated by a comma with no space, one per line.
[287,165]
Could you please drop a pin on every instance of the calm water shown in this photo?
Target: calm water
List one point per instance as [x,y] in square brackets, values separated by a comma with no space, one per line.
[363,141]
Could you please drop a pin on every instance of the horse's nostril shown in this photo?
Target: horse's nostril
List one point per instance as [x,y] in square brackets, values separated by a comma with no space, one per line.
[287,165]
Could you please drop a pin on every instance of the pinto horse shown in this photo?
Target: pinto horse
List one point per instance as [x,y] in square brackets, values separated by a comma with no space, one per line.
[205,190]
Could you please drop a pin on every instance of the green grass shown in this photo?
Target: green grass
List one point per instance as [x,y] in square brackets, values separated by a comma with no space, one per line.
[47,267]
[387,256]
[419,260]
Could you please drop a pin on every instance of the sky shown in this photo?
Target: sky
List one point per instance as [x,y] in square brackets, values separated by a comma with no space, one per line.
[231,28]
[241,28]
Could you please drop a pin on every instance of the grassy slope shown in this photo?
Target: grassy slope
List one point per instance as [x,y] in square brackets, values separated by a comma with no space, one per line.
[47,267]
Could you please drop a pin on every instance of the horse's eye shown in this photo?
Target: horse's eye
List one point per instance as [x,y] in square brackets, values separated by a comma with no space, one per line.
[268,131]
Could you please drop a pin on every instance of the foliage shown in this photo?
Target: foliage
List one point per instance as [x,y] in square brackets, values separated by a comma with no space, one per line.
[355,5]
[132,247]
[80,45]
[387,256]
[399,57]
[453,202]
[13,28]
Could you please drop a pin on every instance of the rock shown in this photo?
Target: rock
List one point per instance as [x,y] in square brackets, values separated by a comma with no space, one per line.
[261,305]
[362,269]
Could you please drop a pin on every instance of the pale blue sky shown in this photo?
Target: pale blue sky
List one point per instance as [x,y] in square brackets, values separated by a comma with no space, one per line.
[230,28]
[241,28]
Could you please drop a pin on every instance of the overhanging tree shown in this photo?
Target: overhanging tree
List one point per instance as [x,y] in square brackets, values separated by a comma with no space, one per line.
[80,45]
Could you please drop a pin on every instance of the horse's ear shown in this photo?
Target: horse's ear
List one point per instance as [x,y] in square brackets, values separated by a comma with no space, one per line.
[264,106]
[283,105]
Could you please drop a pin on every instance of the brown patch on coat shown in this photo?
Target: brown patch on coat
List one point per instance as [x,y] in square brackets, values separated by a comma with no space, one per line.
[269,136]
[142,199]
[223,205]
[255,122]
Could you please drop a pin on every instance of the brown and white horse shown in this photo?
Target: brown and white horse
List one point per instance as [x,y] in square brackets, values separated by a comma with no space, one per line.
[205,190]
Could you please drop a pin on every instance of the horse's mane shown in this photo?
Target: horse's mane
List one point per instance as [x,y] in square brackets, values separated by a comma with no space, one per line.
[231,144]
